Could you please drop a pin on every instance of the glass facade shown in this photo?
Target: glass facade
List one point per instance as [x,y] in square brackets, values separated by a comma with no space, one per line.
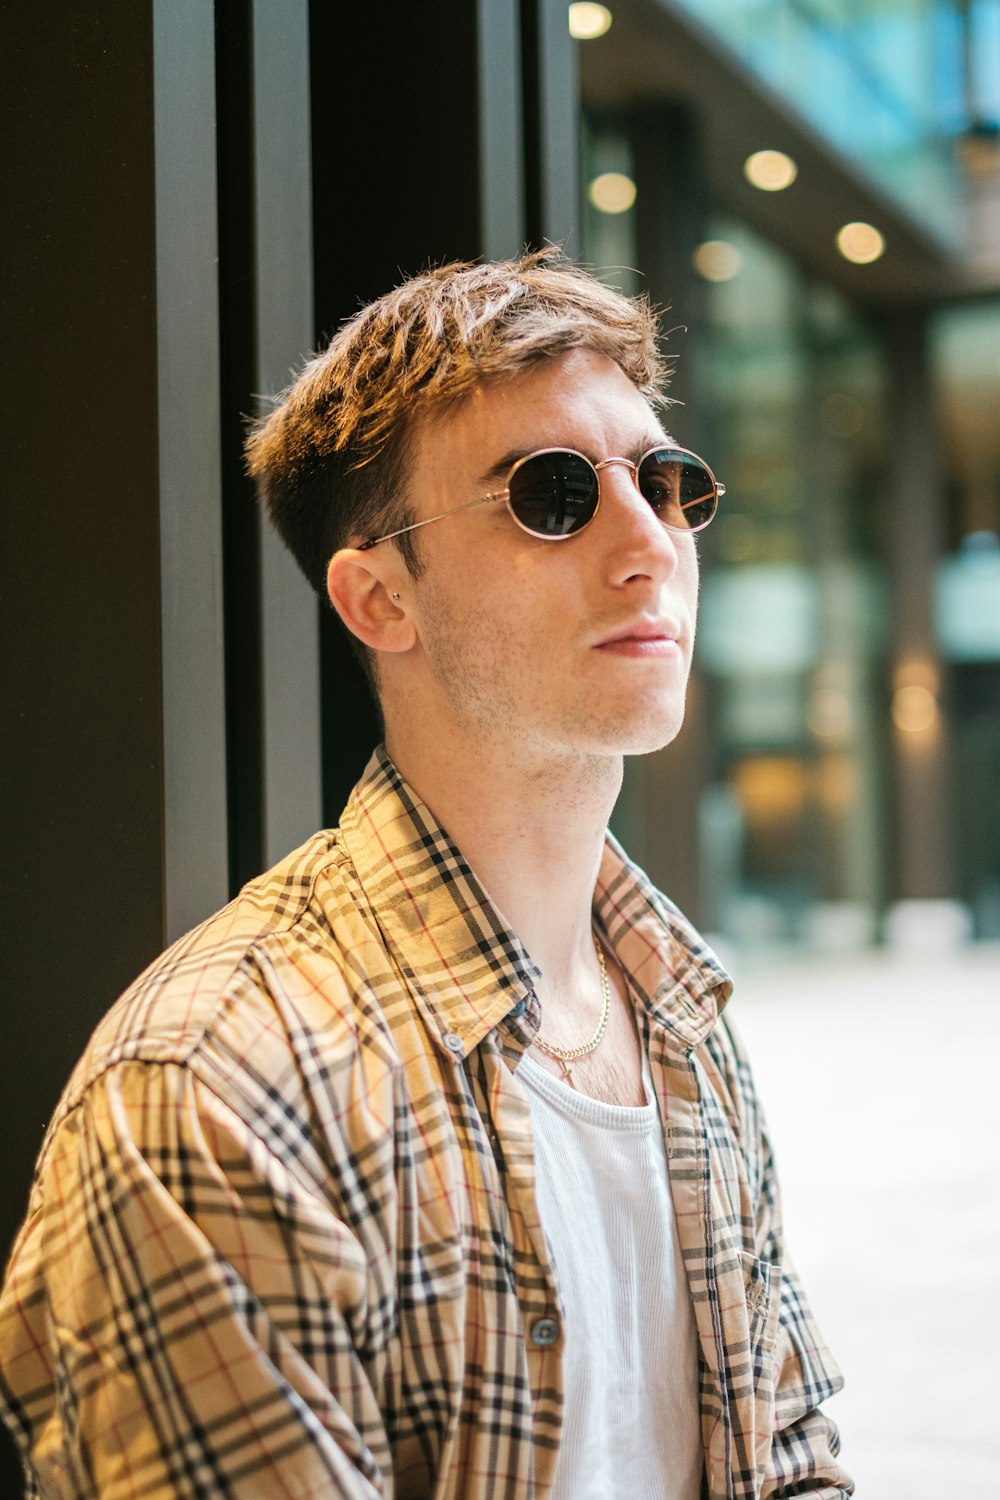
[893,84]
[796,834]
[793,609]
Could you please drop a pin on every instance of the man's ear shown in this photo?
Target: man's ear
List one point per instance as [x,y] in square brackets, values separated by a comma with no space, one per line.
[369,597]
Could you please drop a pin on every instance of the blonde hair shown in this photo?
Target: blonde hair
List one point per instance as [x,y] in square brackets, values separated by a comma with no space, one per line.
[330,459]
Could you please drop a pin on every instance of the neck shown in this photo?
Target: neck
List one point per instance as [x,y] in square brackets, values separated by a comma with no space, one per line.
[533,834]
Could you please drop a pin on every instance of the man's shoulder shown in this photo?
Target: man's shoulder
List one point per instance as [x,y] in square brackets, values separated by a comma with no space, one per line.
[276,957]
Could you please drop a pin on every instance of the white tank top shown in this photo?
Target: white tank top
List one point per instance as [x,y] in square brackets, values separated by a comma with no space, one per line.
[630,1362]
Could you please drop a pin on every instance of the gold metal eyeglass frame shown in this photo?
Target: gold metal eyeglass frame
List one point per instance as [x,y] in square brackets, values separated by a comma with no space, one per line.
[718,490]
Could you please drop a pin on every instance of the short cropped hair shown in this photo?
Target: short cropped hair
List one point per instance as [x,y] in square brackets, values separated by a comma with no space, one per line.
[330,459]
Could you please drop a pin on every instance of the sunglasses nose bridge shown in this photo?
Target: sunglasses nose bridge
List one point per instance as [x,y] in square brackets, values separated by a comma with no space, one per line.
[606,463]
[625,463]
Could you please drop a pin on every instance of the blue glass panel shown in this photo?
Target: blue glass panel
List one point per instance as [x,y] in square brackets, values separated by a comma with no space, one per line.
[883,80]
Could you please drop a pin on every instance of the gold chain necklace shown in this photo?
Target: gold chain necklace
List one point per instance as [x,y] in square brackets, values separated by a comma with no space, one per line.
[564,1055]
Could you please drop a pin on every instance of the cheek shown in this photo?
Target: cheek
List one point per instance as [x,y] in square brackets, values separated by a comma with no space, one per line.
[468,623]
[518,594]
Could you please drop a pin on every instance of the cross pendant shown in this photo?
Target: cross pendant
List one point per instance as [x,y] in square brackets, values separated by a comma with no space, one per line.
[567,1072]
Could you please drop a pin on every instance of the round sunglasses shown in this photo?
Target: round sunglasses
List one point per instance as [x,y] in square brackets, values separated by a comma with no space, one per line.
[556,492]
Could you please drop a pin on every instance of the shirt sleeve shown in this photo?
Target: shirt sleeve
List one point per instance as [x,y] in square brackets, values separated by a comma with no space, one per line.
[184,1313]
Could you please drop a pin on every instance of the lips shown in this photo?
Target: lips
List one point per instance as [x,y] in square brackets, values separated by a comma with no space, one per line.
[641,630]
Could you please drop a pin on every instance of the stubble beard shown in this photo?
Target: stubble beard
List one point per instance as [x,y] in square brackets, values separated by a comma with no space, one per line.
[488,704]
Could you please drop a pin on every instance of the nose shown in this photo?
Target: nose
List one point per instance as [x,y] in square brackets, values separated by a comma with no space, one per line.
[639,545]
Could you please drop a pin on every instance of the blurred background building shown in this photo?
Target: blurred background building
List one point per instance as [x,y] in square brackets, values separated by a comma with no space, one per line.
[195,195]
[814,189]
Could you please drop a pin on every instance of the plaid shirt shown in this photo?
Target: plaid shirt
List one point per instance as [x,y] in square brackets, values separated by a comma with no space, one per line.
[283,1239]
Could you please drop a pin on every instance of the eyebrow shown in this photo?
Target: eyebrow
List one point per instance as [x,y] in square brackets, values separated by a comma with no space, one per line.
[503,465]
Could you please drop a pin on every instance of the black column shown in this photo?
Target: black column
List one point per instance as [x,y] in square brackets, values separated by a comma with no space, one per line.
[82,757]
[82,762]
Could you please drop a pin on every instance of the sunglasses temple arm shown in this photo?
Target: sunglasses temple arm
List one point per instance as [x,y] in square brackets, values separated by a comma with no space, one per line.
[468,505]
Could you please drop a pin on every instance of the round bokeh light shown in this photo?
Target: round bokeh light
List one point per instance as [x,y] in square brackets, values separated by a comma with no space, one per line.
[771,171]
[717,260]
[612,193]
[587,21]
[860,242]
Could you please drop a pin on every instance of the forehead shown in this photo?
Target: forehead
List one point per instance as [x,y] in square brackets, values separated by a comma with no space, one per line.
[578,399]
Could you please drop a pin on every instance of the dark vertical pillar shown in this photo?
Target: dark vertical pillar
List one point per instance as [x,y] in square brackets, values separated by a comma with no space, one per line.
[82,752]
[416,144]
[241,528]
[82,757]
[924,866]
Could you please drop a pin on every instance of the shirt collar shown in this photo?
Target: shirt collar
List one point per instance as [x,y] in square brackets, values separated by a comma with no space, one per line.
[672,970]
[465,968]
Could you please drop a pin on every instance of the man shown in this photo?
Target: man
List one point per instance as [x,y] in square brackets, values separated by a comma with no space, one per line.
[429,1167]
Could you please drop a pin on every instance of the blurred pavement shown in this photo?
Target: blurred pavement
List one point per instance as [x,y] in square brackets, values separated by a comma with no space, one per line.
[880,1075]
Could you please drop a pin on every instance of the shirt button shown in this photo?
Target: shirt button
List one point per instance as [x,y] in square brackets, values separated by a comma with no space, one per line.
[518,1010]
[453,1042]
[544,1331]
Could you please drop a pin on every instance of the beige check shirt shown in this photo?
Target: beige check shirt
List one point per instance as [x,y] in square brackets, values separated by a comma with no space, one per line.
[284,1241]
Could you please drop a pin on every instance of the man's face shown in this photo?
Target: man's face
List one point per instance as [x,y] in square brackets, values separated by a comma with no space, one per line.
[539,646]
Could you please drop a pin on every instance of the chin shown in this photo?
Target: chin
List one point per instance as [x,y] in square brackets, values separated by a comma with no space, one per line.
[639,735]
[651,727]
[648,744]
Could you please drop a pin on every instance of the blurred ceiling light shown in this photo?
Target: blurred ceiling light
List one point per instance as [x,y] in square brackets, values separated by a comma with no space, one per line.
[770,170]
[587,21]
[914,709]
[860,243]
[612,193]
[915,701]
[717,260]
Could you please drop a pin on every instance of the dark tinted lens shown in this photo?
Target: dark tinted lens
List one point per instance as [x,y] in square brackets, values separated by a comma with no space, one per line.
[553,494]
[679,488]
